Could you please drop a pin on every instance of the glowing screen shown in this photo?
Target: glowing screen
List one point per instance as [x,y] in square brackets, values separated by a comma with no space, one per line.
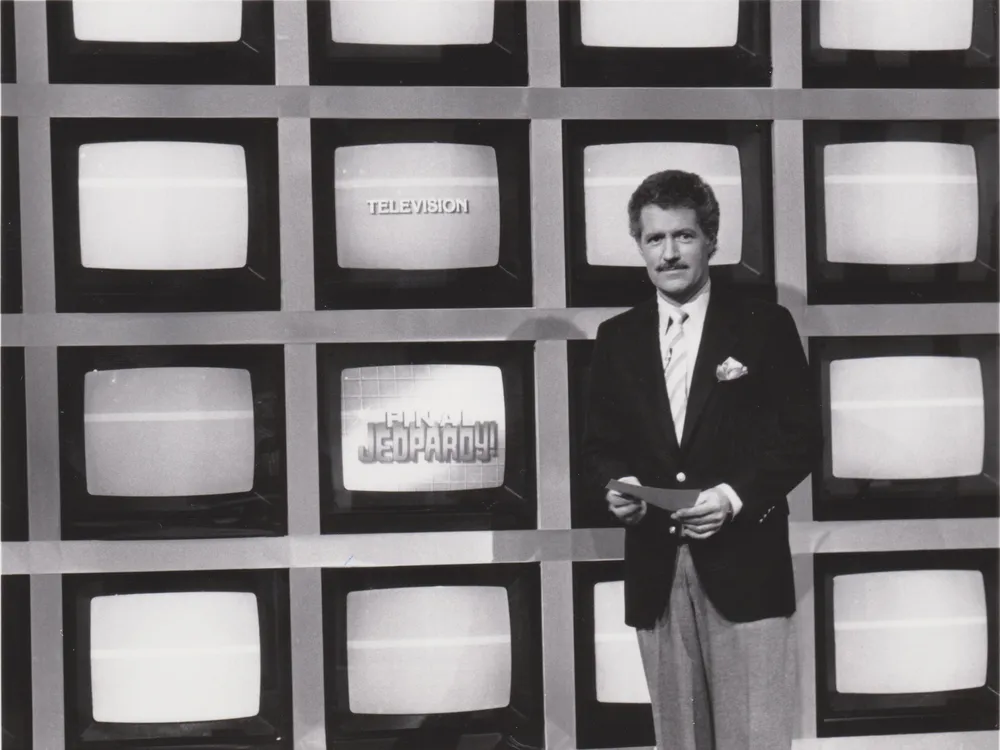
[895,25]
[411,428]
[417,206]
[168,431]
[907,417]
[620,676]
[911,631]
[612,172]
[900,202]
[431,650]
[175,657]
[659,23]
[158,20]
[163,205]
[416,22]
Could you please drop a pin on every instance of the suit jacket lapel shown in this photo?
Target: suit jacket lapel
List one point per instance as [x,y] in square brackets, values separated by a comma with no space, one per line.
[649,366]
[716,340]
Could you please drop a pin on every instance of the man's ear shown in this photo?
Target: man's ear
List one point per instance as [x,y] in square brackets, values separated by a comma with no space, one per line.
[715,247]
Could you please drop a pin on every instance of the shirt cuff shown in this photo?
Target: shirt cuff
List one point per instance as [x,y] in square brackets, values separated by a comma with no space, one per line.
[734,499]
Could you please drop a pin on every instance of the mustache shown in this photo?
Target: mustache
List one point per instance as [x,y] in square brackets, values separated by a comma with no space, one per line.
[676,266]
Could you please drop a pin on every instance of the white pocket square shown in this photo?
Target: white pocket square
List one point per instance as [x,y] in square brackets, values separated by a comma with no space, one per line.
[731,369]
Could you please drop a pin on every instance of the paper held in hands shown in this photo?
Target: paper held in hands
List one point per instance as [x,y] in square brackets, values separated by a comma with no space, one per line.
[669,500]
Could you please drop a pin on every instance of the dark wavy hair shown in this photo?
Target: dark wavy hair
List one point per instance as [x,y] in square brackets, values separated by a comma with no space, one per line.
[675,189]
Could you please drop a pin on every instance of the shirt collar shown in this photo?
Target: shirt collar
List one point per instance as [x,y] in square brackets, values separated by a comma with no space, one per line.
[696,308]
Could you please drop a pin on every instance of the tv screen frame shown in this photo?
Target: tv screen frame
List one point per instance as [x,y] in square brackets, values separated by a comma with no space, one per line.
[843,499]
[857,283]
[519,724]
[13,447]
[508,284]
[15,593]
[256,286]
[857,714]
[503,62]
[11,280]
[261,511]
[8,50]
[249,60]
[604,286]
[746,64]
[272,727]
[601,725]
[513,505]
[928,69]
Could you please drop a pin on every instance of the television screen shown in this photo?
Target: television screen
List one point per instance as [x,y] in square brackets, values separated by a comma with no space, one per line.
[426,436]
[418,42]
[457,190]
[161,41]
[433,657]
[911,426]
[900,43]
[665,43]
[178,659]
[15,637]
[606,162]
[10,219]
[620,676]
[901,212]
[906,642]
[13,447]
[166,215]
[172,441]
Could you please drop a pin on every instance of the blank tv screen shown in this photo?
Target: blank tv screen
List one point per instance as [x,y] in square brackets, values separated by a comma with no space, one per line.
[659,23]
[901,203]
[420,428]
[896,25]
[412,22]
[612,172]
[163,206]
[168,431]
[175,657]
[417,206]
[914,417]
[620,676]
[428,650]
[911,631]
[145,21]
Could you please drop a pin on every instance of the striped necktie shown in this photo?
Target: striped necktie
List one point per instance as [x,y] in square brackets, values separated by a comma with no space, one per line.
[675,369]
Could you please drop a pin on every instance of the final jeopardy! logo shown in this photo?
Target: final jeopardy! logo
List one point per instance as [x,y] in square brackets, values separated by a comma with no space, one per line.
[405,437]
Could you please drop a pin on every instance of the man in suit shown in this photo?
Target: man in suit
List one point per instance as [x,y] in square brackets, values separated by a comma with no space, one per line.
[697,389]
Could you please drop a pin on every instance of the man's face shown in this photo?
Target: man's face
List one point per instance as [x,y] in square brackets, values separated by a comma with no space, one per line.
[676,251]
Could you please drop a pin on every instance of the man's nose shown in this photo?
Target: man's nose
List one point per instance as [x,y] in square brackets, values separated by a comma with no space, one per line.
[670,249]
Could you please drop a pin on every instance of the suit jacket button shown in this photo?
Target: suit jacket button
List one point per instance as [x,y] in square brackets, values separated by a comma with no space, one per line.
[681,476]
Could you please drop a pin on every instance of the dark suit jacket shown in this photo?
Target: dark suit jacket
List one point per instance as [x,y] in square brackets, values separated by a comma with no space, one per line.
[758,433]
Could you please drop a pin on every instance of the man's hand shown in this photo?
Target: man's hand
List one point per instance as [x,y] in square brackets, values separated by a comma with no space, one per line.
[706,516]
[628,510]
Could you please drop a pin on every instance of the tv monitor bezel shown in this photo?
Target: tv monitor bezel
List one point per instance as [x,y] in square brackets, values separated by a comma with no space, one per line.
[843,499]
[613,286]
[857,714]
[256,286]
[11,293]
[13,447]
[917,69]
[8,48]
[271,727]
[745,64]
[502,62]
[519,724]
[249,60]
[261,511]
[512,505]
[598,724]
[15,593]
[860,283]
[508,284]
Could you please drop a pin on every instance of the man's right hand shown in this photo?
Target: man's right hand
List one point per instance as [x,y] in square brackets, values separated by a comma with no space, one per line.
[627,509]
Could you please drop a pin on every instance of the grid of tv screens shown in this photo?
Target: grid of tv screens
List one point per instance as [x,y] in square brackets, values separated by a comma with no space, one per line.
[421,213]
[165,215]
[15,636]
[172,442]
[180,658]
[906,642]
[13,447]
[428,42]
[911,426]
[161,41]
[899,44]
[426,436]
[433,657]
[11,295]
[604,162]
[902,212]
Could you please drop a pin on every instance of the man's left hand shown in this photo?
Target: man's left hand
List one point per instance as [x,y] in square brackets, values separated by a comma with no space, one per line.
[706,516]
